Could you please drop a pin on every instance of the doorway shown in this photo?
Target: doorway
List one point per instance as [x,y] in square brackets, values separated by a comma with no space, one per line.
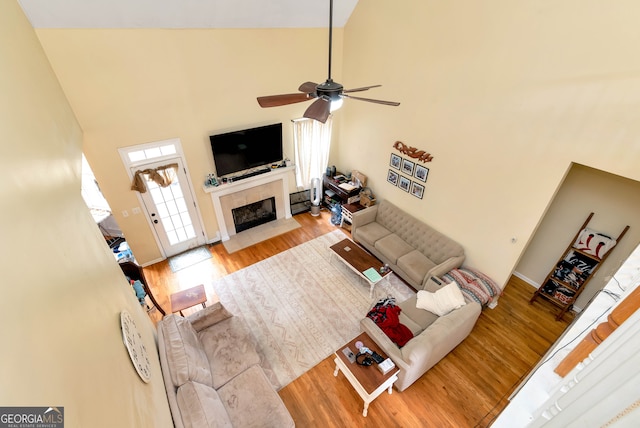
[615,200]
[171,210]
[102,215]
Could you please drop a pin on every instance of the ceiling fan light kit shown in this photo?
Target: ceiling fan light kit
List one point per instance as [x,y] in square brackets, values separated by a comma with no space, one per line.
[328,95]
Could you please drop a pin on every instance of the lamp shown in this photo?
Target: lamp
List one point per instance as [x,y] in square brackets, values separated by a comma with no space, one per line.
[336,104]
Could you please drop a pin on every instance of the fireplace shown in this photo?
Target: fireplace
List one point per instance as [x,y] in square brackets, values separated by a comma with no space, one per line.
[226,197]
[255,214]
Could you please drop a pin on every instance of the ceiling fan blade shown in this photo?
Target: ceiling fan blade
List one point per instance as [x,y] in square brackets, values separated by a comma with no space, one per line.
[308,87]
[319,110]
[281,100]
[387,103]
[364,88]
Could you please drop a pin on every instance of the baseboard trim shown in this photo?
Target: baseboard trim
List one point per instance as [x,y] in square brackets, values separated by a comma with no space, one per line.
[529,281]
[152,262]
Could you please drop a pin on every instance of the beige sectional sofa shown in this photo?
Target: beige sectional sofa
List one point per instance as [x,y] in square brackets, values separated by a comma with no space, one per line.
[414,250]
[434,336]
[211,373]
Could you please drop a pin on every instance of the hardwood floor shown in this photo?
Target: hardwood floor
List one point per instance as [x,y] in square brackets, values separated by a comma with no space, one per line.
[468,388]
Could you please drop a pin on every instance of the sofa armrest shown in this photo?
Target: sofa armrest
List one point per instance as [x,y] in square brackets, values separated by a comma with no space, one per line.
[441,337]
[209,316]
[362,217]
[444,267]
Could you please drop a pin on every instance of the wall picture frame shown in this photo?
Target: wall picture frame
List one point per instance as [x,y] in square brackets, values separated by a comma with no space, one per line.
[417,190]
[392,177]
[404,183]
[395,161]
[421,173]
[407,167]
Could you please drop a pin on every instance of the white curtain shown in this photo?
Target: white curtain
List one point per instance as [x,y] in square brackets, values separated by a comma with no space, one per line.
[311,141]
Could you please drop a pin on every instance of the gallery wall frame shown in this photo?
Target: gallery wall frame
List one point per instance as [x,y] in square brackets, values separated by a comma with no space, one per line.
[395,161]
[392,177]
[417,190]
[421,173]
[408,174]
[404,183]
[407,167]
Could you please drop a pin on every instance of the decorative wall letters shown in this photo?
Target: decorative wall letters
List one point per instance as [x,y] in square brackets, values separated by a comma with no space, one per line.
[412,152]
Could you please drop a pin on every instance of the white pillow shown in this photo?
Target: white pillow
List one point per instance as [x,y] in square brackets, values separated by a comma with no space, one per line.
[442,301]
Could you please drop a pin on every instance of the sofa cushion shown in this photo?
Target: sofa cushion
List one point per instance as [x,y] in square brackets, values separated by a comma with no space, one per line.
[201,406]
[416,265]
[370,233]
[229,348]
[251,401]
[392,247]
[208,316]
[417,234]
[185,355]
[442,301]
[420,319]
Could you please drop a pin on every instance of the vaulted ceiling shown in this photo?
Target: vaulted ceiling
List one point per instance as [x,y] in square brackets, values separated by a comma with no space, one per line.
[185,13]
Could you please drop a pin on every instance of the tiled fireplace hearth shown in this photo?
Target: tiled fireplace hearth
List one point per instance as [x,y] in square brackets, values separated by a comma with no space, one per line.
[229,196]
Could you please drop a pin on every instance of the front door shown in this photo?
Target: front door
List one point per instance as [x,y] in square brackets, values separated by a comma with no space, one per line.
[172,211]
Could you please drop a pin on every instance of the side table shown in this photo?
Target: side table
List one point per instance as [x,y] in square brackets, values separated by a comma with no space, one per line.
[187,298]
[368,381]
[347,214]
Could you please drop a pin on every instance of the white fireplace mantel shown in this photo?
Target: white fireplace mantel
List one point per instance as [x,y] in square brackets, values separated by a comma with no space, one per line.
[226,189]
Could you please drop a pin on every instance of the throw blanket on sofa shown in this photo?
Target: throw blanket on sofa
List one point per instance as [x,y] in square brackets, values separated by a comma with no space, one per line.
[385,314]
[474,285]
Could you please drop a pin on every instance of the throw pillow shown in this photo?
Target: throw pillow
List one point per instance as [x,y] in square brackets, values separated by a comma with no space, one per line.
[442,301]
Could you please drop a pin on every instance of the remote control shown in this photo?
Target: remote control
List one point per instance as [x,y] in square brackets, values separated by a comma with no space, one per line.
[376,357]
[350,355]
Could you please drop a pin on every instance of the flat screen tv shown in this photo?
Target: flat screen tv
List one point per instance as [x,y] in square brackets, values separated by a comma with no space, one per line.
[246,149]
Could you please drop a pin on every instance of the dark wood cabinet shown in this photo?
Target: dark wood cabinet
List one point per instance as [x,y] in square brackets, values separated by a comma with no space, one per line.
[340,195]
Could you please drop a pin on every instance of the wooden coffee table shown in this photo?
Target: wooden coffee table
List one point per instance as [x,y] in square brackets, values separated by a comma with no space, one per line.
[368,381]
[356,258]
[187,298]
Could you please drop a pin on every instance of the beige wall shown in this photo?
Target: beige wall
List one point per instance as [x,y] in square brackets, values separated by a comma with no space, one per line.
[130,87]
[615,202]
[505,95]
[62,291]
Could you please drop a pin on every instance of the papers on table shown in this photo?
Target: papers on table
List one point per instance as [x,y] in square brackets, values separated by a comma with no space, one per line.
[347,186]
[372,275]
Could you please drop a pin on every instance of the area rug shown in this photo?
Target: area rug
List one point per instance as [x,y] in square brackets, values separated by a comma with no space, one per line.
[301,305]
[189,258]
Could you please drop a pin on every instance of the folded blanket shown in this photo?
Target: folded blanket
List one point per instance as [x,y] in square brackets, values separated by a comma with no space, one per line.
[475,286]
[386,314]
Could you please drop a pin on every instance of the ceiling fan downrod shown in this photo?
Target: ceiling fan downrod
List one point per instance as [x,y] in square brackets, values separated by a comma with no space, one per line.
[330,37]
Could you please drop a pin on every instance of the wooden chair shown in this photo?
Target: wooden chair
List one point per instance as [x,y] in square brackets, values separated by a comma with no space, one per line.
[134,272]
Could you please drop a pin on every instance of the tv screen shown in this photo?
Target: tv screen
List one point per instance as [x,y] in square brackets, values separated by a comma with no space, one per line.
[246,149]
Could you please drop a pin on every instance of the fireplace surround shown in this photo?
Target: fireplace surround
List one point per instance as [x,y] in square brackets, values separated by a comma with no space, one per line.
[228,196]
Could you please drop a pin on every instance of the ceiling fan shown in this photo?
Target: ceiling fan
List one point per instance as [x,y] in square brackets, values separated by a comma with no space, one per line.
[325,94]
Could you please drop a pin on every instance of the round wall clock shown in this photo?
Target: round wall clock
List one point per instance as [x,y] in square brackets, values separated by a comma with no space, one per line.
[133,342]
